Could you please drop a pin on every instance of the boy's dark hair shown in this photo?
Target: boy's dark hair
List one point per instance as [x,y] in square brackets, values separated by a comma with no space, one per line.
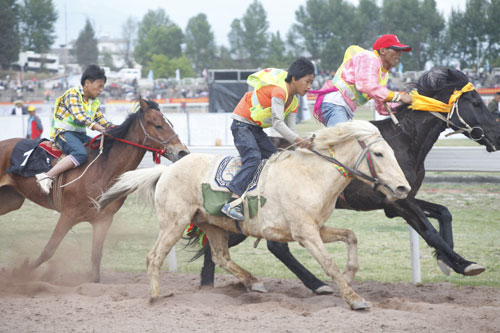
[92,73]
[300,68]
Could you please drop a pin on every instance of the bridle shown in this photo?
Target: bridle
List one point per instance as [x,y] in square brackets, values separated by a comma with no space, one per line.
[164,144]
[365,154]
[436,107]
[467,128]
[157,153]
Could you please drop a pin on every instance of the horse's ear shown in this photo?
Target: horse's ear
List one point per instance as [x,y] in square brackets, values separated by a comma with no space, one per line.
[144,106]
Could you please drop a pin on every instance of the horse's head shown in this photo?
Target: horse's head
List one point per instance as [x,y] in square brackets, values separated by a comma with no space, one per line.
[159,132]
[365,151]
[470,115]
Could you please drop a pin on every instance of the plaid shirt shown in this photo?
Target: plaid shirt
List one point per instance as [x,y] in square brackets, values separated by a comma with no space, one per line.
[72,104]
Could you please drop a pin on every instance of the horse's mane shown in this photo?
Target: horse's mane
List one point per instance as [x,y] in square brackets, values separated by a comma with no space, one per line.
[353,129]
[120,131]
[440,83]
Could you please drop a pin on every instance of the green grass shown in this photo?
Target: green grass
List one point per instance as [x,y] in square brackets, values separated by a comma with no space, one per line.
[383,243]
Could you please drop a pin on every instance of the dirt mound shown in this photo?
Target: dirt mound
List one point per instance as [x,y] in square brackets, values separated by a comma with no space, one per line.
[61,303]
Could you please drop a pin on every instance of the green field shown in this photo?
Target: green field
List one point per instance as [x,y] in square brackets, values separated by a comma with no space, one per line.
[384,253]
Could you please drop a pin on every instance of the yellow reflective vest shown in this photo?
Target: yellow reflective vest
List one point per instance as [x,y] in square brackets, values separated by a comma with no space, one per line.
[68,123]
[269,76]
[350,89]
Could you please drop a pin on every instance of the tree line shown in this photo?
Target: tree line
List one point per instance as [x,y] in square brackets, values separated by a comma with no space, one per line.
[321,30]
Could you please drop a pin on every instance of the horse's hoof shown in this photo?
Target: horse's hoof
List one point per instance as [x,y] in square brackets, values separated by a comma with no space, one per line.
[324,290]
[473,269]
[360,305]
[444,267]
[154,299]
[206,287]
[258,287]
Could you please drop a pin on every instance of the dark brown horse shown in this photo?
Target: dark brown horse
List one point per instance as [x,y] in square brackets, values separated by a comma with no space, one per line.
[146,127]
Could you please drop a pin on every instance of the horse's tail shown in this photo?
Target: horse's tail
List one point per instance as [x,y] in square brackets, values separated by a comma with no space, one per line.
[141,180]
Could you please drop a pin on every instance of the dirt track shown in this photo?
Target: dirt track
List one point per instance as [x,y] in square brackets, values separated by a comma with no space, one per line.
[62,303]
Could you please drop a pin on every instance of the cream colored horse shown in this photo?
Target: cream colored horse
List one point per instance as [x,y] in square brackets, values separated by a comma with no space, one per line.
[300,187]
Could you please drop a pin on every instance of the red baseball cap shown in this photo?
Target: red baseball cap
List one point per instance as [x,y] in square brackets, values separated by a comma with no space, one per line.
[390,41]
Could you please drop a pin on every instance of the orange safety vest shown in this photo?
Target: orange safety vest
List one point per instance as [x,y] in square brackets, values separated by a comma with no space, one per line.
[269,76]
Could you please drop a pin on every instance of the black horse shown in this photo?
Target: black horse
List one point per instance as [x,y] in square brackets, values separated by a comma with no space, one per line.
[411,141]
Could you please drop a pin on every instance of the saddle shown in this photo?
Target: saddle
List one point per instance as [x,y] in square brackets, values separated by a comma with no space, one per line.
[51,149]
[28,158]
[215,188]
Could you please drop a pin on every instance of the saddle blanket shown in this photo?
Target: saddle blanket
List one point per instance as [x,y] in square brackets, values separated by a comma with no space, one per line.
[29,159]
[215,191]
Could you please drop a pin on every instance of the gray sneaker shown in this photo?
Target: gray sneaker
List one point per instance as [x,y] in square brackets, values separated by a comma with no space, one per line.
[235,213]
[44,181]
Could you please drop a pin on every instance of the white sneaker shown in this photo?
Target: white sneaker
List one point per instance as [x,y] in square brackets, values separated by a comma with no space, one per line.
[44,181]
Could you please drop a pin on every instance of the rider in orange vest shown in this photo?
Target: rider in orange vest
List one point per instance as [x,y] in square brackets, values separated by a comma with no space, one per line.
[363,76]
[273,103]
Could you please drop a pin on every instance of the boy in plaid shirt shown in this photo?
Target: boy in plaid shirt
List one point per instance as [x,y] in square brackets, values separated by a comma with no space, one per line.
[75,111]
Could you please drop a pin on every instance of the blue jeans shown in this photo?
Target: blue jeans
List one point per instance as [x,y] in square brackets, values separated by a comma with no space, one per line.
[71,143]
[334,114]
[253,145]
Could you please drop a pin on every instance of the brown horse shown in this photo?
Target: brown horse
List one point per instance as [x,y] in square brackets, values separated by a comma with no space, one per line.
[147,127]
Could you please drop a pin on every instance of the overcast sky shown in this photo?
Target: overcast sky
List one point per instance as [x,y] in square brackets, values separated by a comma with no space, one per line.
[108,16]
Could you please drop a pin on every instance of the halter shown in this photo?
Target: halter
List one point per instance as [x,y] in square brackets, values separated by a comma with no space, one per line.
[162,143]
[365,153]
[467,127]
[424,103]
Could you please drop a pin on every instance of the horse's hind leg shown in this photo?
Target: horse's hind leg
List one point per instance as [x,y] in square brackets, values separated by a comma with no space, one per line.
[169,235]
[208,269]
[329,234]
[218,240]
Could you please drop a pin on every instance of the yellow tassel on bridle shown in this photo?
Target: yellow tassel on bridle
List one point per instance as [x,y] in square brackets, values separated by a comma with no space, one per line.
[424,103]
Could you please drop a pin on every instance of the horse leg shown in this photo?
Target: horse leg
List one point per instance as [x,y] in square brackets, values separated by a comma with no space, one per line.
[329,234]
[169,235]
[10,199]
[220,254]
[415,217]
[62,227]
[444,217]
[282,252]
[100,229]
[310,238]
[208,269]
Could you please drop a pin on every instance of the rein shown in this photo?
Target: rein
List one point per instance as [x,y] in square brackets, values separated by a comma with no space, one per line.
[157,153]
[354,171]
